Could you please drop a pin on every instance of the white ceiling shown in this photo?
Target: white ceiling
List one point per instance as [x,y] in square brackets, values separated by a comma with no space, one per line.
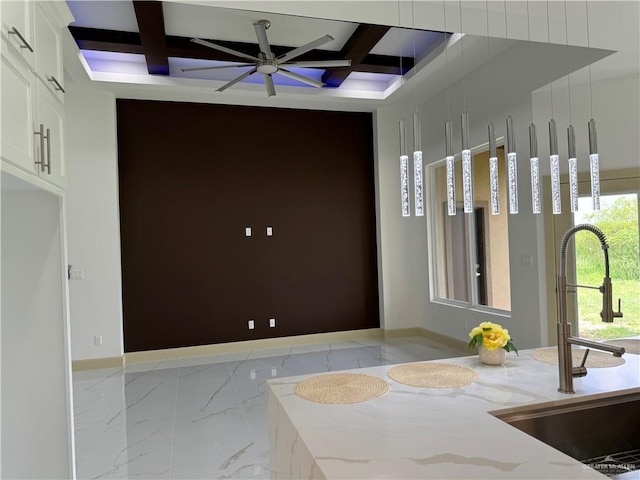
[613,25]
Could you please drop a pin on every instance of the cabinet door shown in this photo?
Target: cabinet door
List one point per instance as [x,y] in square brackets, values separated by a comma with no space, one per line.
[51,115]
[49,52]
[17,18]
[17,106]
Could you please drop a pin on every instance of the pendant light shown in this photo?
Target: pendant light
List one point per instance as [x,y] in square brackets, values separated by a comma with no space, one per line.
[536,204]
[467,173]
[418,177]
[404,173]
[493,172]
[554,159]
[554,163]
[512,156]
[512,167]
[451,170]
[594,159]
[404,159]
[448,134]
[494,175]
[571,137]
[417,168]
[467,167]
[535,170]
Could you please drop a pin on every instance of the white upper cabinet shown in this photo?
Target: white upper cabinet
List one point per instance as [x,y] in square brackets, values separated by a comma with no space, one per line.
[49,50]
[32,105]
[51,124]
[18,110]
[18,29]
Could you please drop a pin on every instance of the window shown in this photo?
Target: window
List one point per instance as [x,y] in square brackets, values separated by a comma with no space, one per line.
[470,252]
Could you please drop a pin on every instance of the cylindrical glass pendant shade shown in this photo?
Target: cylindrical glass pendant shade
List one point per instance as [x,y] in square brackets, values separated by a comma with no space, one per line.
[467,173]
[404,174]
[554,163]
[493,172]
[573,168]
[418,187]
[594,164]
[512,167]
[535,170]
[404,185]
[451,172]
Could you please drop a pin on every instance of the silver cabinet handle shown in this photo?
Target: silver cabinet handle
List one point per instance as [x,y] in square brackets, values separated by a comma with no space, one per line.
[48,137]
[41,162]
[25,44]
[57,83]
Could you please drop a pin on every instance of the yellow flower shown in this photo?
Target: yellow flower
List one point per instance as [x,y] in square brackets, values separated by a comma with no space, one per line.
[493,336]
[475,331]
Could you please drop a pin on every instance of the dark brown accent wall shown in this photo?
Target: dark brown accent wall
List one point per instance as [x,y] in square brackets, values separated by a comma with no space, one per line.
[193,176]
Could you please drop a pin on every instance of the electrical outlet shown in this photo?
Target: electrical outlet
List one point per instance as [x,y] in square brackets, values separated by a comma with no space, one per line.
[76,275]
[252,374]
[247,231]
[252,324]
[97,340]
[274,372]
[269,231]
[272,322]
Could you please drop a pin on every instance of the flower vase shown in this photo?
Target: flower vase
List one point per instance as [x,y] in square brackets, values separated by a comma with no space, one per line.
[492,357]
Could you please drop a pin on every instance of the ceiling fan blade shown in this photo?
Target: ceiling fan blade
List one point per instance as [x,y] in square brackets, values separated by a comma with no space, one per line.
[261,33]
[215,46]
[237,79]
[195,69]
[268,84]
[300,78]
[321,64]
[296,52]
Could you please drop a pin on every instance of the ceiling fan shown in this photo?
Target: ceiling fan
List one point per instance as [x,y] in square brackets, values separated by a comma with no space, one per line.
[266,62]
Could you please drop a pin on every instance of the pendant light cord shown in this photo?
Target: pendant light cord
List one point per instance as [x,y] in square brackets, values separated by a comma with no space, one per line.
[530,50]
[446,59]
[566,26]
[549,43]
[586,5]
[464,91]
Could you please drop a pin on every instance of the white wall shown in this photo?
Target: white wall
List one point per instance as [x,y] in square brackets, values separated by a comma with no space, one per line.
[36,418]
[93,225]
[616,107]
[405,251]
[490,97]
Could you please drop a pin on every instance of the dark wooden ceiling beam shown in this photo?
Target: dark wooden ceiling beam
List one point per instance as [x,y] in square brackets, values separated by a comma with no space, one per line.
[182,47]
[152,35]
[356,48]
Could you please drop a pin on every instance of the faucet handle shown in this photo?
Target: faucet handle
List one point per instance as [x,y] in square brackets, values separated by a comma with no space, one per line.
[618,314]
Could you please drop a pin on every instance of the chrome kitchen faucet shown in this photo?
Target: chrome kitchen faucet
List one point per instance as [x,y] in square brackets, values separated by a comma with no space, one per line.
[565,340]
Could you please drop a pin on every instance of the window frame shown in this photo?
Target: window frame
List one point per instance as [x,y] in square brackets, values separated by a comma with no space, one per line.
[470,246]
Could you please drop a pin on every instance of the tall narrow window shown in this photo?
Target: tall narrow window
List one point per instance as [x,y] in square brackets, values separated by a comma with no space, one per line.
[471,251]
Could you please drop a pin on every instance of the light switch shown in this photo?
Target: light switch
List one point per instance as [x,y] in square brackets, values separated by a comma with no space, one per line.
[252,324]
[274,372]
[252,374]
[269,231]
[272,322]
[247,231]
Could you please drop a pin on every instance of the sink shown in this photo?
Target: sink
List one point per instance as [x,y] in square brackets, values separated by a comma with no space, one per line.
[603,433]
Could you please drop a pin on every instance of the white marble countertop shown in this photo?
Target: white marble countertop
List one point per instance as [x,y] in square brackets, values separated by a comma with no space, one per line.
[433,433]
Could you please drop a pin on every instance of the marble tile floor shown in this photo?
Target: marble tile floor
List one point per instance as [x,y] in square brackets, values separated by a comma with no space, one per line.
[205,417]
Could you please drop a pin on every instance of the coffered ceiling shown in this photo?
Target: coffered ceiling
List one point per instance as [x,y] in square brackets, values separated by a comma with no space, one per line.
[154,38]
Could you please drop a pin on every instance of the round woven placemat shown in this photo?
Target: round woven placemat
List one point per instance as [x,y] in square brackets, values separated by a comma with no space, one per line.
[342,388]
[433,375]
[631,345]
[595,359]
